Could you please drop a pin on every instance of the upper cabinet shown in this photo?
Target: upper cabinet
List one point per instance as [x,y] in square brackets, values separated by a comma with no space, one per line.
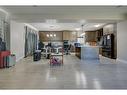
[99,34]
[90,36]
[94,36]
[66,35]
[69,35]
[60,35]
[47,36]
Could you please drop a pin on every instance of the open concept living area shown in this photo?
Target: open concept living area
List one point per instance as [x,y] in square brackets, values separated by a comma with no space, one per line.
[63,47]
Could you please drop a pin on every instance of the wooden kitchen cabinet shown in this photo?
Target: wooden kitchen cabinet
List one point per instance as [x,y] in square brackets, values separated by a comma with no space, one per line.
[69,36]
[66,35]
[90,36]
[44,38]
[60,35]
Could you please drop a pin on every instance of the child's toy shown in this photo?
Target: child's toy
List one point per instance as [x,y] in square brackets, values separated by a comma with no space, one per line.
[55,61]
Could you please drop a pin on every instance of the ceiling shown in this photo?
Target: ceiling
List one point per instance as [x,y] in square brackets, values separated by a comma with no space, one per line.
[66,26]
[67,17]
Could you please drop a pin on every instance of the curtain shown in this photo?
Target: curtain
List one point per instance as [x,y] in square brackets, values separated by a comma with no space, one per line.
[31,41]
[5,33]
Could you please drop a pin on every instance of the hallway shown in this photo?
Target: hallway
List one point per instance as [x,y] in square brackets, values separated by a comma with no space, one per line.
[74,74]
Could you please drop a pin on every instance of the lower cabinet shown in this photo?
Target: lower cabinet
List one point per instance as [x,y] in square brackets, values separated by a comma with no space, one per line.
[78,52]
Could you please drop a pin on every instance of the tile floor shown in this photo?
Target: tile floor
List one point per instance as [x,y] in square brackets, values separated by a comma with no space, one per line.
[74,74]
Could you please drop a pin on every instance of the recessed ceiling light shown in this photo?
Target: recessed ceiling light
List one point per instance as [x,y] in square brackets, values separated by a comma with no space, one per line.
[97,25]
[51,21]
[77,29]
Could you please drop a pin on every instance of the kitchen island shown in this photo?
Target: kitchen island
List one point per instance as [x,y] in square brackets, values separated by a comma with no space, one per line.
[87,52]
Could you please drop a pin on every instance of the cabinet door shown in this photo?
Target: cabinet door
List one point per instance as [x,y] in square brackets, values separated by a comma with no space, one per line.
[43,36]
[73,36]
[90,36]
[65,36]
[69,36]
[58,37]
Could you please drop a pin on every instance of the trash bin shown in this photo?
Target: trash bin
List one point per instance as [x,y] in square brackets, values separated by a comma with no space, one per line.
[37,55]
[10,60]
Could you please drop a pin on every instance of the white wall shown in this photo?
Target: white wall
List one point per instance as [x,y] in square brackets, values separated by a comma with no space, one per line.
[17,39]
[122,41]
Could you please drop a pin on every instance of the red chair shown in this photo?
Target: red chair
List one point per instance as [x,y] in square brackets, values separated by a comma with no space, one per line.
[2,55]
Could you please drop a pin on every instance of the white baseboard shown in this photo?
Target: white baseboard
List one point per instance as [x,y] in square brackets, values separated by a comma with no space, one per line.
[17,59]
[122,61]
